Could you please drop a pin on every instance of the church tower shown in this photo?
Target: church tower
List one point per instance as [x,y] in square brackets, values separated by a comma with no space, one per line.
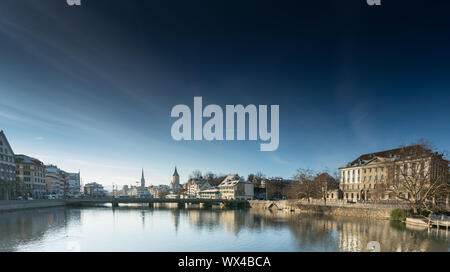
[175,180]
[142,179]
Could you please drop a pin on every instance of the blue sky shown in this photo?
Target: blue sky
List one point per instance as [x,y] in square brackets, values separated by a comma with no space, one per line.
[90,88]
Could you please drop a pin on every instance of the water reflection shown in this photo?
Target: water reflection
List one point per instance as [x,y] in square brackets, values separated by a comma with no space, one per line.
[166,228]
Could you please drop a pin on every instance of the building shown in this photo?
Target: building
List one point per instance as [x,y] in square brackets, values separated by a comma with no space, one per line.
[8,185]
[74,184]
[234,187]
[159,191]
[360,179]
[56,181]
[210,193]
[194,186]
[30,176]
[94,190]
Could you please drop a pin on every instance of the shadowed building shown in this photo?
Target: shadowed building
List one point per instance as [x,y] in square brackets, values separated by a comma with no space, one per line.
[7,169]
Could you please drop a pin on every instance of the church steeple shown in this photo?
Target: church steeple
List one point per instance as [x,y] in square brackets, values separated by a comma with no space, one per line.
[175,174]
[142,178]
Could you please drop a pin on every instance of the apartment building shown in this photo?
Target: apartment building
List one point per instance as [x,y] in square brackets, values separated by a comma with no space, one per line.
[234,187]
[30,176]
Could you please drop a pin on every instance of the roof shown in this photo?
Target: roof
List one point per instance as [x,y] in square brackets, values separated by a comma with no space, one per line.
[232,180]
[391,153]
[213,190]
[2,134]
[26,159]
[175,174]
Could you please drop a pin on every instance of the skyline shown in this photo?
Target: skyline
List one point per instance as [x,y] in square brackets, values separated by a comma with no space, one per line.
[91,88]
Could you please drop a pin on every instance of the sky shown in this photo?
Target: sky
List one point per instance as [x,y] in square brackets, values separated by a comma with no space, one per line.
[90,88]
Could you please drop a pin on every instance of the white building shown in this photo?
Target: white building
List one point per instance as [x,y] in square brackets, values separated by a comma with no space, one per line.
[30,176]
[210,193]
[194,186]
[233,187]
[7,169]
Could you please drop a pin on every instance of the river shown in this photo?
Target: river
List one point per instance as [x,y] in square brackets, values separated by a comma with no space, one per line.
[166,228]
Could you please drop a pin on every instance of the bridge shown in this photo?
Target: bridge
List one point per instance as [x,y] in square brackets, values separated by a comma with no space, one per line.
[181,202]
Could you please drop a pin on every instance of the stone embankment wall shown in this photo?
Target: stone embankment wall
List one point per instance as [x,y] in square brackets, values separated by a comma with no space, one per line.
[338,208]
[12,205]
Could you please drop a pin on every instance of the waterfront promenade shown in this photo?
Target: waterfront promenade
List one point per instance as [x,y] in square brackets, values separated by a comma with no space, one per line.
[12,205]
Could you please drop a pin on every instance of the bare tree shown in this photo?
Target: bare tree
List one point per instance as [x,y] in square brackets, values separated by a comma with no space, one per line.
[196,174]
[305,186]
[417,174]
[325,182]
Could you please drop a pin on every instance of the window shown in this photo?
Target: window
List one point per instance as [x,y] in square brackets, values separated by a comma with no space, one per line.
[370,170]
[365,178]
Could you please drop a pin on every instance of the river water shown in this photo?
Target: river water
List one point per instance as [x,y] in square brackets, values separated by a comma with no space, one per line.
[166,228]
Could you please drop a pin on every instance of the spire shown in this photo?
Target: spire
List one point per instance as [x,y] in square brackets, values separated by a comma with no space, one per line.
[175,174]
[142,178]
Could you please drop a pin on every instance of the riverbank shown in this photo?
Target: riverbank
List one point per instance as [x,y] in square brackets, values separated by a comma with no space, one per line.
[14,205]
[372,211]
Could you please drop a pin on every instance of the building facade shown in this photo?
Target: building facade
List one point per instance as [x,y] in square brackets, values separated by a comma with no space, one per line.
[94,190]
[194,186]
[233,187]
[73,184]
[361,178]
[56,181]
[8,185]
[210,193]
[30,176]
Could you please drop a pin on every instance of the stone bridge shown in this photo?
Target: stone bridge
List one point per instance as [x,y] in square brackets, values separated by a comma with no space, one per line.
[181,202]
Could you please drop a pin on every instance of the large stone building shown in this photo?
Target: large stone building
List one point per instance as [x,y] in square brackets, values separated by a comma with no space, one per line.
[8,188]
[234,187]
[30,176]
[360,179]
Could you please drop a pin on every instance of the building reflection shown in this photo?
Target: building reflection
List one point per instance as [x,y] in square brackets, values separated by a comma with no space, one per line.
[323,232]
[21,227]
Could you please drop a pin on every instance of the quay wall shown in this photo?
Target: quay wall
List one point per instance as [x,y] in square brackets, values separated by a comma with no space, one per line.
[366,210]
[13,205]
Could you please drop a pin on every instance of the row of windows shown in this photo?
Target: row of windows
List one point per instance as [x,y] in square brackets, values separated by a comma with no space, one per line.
[6,158]
[347,180]
[365,186]
[365,170]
